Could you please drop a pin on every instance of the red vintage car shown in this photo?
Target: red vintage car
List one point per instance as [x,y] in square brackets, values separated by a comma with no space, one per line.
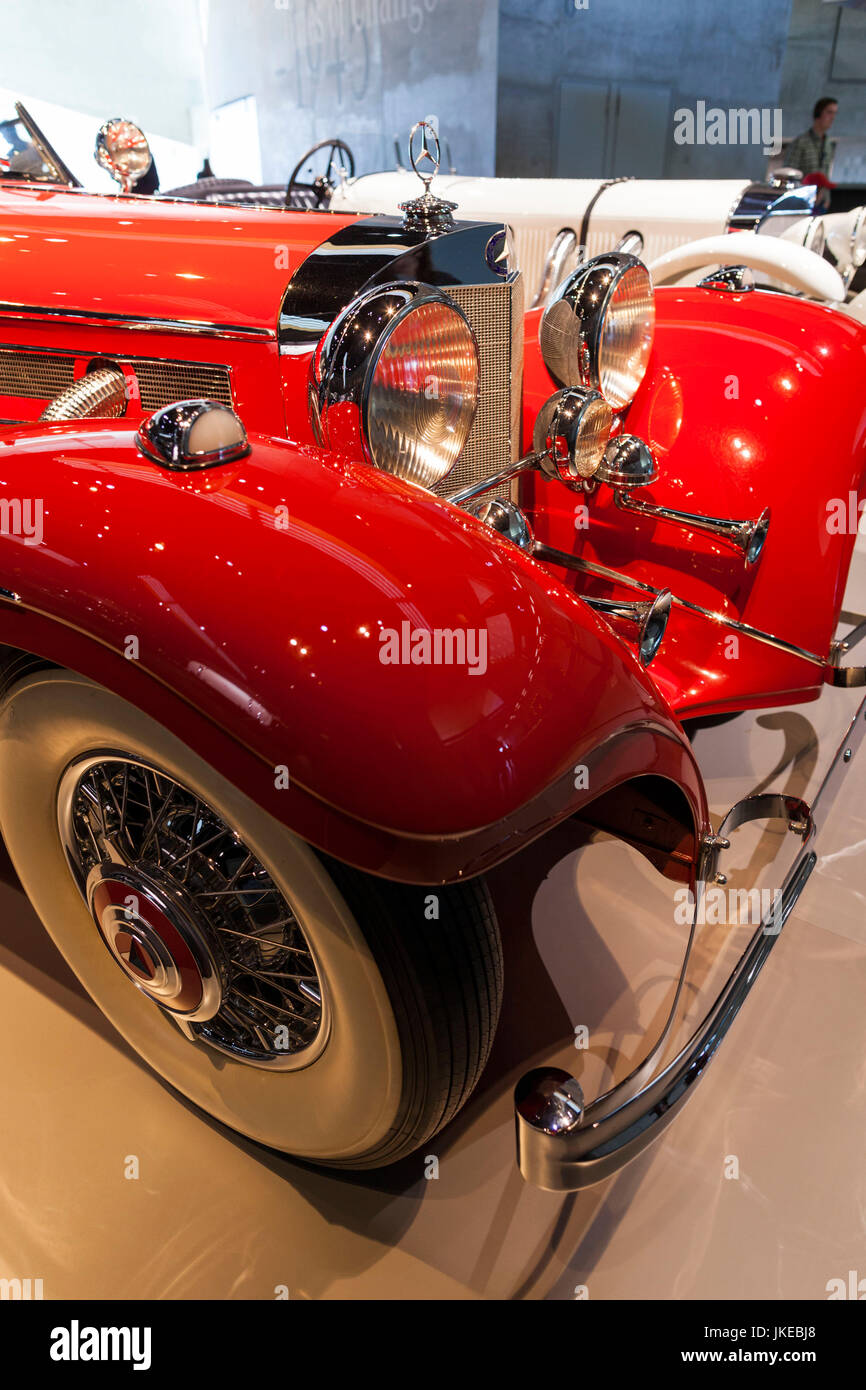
[331,580]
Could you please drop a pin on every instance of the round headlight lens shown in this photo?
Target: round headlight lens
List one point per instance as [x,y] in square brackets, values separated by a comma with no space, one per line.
[572,429]
[422,393]
[626,337]
[598,329]
[397,374]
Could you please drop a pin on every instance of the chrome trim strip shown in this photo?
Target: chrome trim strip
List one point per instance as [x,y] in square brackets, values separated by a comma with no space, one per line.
[88,353]
[581,1145]
[561,557]
[202,327]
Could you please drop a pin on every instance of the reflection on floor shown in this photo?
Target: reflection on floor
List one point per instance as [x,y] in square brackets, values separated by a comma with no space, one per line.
[757,1190]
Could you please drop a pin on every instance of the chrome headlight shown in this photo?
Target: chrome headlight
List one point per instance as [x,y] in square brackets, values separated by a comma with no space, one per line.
[598,328]
[396,374]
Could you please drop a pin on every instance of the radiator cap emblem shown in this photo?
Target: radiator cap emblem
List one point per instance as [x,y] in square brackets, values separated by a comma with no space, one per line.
[427,213]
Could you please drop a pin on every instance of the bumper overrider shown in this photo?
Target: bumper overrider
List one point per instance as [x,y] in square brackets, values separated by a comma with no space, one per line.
[564,1144]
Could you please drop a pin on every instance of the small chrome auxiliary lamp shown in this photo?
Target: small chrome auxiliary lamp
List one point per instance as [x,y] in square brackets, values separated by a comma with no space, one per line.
[570,436]
[630,463]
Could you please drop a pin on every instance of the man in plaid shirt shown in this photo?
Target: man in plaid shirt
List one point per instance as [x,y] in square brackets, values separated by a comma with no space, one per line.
[813,151]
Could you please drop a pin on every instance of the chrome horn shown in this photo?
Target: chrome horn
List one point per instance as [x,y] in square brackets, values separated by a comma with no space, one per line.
[629,463]
[650,619]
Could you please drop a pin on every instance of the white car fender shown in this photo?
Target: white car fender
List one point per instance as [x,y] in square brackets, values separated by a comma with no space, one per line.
[781,260]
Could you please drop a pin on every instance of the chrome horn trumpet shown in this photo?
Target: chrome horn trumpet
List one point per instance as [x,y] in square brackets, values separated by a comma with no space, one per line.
[650,619]
[629,463]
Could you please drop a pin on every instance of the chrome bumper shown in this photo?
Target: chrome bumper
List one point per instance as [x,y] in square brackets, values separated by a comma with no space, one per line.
[564,1144]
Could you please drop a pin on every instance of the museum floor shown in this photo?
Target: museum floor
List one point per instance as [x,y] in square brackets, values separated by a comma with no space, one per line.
[758,1189]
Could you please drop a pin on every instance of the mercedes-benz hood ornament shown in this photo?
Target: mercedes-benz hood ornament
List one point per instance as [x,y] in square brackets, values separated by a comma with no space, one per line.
[427,213]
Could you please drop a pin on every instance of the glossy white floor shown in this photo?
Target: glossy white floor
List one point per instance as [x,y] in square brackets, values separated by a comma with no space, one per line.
[758,1189]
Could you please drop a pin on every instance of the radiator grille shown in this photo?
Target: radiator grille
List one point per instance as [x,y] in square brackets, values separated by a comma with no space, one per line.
[162,383]
[34,374]
[41,376]
[495,313]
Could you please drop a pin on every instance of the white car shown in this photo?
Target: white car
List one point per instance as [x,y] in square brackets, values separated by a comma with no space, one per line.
[685,225]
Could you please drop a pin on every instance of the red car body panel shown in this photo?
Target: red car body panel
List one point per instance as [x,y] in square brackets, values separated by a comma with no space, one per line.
[735,404]
[269,632]
[143,257]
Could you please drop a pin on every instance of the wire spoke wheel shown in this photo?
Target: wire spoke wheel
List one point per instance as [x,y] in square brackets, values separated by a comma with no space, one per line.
[164,875]
[300,1001]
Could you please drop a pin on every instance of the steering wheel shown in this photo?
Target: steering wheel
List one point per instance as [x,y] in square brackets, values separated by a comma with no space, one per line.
[322,186]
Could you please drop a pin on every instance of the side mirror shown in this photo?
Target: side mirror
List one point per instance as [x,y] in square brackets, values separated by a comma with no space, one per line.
[122,149]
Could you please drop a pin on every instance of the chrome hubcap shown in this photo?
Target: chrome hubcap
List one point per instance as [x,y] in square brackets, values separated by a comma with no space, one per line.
[189,914]
[155,940]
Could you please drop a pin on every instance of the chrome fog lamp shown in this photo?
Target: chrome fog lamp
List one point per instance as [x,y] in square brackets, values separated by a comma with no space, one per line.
[398,372]
[571,433]
[598,328]
[193,434]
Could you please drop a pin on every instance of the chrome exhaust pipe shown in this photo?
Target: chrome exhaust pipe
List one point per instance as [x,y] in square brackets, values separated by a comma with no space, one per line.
[563,246]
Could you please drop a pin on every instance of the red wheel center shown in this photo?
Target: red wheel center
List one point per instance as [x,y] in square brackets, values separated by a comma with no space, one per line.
[154,942]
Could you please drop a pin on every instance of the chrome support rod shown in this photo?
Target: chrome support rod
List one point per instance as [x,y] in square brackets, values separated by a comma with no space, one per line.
[574,562]
[524,465]
[844,644]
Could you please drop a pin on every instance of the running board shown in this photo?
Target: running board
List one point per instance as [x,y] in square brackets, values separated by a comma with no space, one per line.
[565,1144]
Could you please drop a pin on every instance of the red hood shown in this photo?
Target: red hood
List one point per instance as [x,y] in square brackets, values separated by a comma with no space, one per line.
[147,258]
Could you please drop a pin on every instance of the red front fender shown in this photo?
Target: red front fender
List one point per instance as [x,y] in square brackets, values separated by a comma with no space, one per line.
[255,607]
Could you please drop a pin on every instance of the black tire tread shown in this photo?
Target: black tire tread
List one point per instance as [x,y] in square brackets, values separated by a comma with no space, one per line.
[444,980]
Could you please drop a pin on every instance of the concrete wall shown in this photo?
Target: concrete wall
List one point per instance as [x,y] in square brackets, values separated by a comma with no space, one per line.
[135,58]
[710,50]
[362,70]
[826,56]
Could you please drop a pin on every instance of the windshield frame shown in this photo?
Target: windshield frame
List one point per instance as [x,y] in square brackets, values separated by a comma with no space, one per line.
[47,152]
